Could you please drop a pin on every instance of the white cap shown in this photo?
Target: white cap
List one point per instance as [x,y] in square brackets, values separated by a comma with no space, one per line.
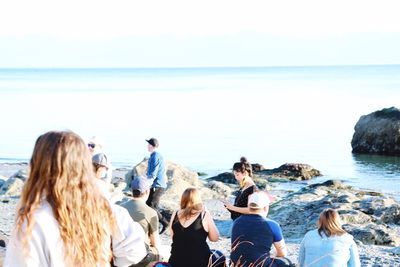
[258,200]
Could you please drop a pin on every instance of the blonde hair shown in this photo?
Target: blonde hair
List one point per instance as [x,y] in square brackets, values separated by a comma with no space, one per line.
[61,172]
[190,203]
[329,223]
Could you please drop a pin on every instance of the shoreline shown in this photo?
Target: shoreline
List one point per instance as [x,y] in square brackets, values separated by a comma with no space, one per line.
[7,168]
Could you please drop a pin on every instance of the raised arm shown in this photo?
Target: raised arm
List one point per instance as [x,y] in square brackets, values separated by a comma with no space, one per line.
[231,207]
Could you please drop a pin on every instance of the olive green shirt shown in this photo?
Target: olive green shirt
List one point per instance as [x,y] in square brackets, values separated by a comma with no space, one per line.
[144,215]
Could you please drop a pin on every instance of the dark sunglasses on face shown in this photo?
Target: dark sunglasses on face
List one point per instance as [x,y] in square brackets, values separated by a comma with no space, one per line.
[91,145]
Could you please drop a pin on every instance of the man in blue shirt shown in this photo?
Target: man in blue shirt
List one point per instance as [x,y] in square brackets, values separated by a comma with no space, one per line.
[156,172]
[253,236]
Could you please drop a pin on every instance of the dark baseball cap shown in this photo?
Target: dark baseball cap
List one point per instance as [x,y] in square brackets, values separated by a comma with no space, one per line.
[100,159]
[141,184]
[152,141]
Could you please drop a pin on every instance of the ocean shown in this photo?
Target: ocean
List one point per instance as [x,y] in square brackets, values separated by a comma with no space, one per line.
[207,118]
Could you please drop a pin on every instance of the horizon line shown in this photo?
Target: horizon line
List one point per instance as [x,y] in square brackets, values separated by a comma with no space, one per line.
[199,67]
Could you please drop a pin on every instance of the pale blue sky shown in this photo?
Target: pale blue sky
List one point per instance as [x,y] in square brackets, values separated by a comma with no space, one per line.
[126,33]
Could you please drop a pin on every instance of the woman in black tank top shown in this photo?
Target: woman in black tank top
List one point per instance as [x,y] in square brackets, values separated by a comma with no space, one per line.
[190,227]
[243,173]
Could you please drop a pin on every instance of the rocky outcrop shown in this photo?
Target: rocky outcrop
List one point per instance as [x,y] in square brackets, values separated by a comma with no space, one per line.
[179,178]
[220,188]
[225,177]
[288,171]
[174,172]
[378,133]
[21,174]
[229,179]
[12,187]
[293,171]
[370,218]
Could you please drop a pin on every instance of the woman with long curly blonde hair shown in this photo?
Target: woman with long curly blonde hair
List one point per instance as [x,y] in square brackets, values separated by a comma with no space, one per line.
[62,219]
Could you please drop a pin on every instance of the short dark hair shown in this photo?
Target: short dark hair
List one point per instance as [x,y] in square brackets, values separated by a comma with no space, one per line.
[137,193]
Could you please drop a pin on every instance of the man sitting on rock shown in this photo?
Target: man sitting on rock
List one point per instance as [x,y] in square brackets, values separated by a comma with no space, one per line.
[253,236]
[144,215]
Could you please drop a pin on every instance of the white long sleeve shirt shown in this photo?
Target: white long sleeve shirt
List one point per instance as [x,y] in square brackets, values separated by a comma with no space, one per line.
[46,247]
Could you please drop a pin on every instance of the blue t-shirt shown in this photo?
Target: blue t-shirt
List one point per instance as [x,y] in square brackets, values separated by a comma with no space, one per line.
[252,239]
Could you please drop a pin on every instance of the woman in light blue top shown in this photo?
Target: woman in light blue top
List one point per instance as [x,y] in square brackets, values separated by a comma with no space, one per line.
[329,245]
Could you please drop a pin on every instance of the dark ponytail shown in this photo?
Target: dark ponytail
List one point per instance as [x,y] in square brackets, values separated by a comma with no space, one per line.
[243,166]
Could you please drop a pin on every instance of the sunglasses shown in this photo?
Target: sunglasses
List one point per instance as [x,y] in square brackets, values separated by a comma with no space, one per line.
[91,145]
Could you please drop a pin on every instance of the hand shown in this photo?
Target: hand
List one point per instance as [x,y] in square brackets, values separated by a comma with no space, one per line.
[226,204]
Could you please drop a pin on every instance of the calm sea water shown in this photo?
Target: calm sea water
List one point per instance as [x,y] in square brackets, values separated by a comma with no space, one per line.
[207,118]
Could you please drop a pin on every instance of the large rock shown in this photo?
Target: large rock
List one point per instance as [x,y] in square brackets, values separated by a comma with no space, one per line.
[220,188]
[225,177]
[293,171]
[179,178]
[378,133]
[228,178]
[371,218]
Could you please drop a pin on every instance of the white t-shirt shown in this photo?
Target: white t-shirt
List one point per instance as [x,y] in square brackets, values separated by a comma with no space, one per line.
[46,246]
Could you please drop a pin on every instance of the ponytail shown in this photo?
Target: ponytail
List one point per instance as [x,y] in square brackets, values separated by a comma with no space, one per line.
[243,166]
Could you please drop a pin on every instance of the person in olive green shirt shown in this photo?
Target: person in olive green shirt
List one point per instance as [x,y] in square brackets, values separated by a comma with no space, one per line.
[143,214]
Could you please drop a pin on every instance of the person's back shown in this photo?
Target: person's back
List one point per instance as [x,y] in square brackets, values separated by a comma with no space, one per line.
[48,234]
[252,239]
[253,236]
[190,227]
[189,246]
[329,245]
[144,215]
[332,251]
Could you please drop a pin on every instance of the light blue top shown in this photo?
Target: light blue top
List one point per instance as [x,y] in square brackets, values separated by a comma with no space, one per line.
[156,170]
[334,251]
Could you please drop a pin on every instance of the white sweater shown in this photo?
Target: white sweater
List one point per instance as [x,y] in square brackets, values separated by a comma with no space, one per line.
[46,246]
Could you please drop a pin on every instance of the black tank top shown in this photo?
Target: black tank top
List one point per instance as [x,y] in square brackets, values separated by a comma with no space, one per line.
[189,246]
[241,200]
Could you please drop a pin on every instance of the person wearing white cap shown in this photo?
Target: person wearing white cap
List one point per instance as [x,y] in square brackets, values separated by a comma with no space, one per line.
[253,236]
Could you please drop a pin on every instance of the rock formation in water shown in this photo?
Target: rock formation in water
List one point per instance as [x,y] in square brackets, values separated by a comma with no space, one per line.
[378,133]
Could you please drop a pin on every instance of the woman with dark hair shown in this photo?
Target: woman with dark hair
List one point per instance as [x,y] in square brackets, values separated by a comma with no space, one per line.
[189,228]
[243,173]
[62,219]
[329,245]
